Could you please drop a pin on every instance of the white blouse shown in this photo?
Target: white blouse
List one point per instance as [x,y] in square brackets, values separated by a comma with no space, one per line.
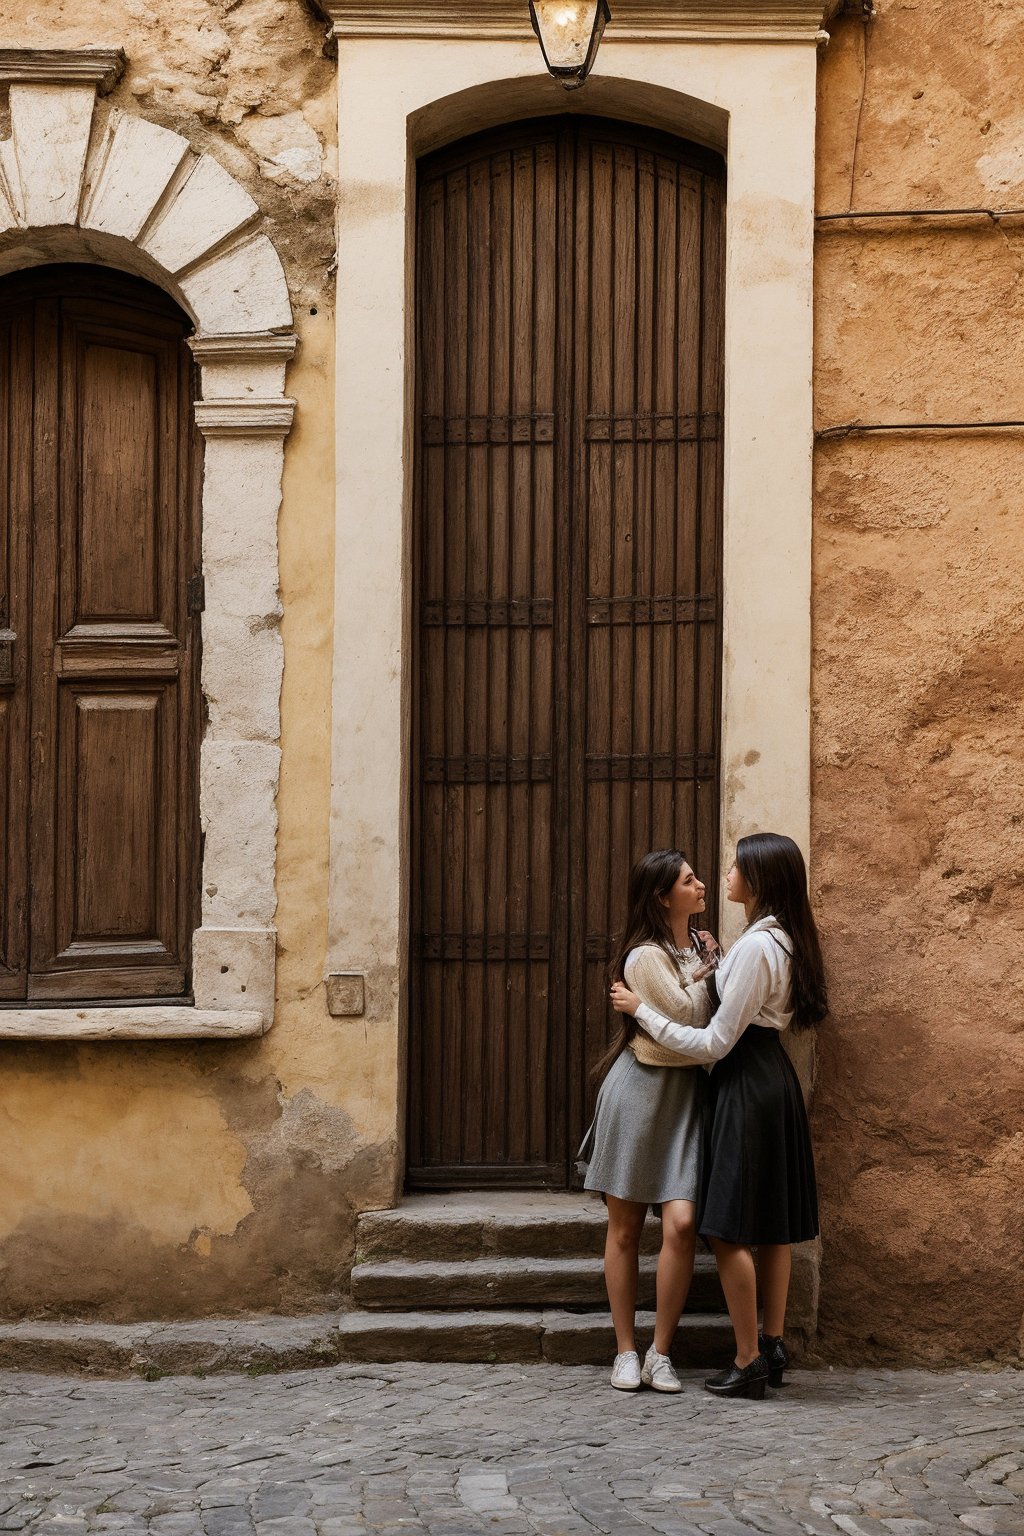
[754,983]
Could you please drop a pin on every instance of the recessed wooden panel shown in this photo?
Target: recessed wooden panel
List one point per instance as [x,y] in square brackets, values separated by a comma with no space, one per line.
[568,603]
[112,802]
[98,537]
[118,517]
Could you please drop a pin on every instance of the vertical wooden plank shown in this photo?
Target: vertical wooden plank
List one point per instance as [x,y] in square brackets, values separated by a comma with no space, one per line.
[663,346]
[595,321]
[426,1020]
[690,309]
[710,632]
[645,832]
[546,1042]
[456,576]
[565,637]
[499,679]
[50,455]
[522,1085]
[16,410]
[477,692]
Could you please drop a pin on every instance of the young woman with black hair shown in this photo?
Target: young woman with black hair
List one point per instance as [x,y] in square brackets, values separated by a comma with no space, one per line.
[644,1146]
[758,1188]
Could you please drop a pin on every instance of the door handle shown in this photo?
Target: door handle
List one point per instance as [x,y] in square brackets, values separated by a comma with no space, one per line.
[7,639]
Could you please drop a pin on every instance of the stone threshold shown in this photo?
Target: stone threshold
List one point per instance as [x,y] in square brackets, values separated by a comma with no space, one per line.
[264,1344]
[256,1344]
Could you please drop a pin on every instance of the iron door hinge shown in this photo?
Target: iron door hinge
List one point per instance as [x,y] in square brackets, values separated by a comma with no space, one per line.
[195,594]
[7,639]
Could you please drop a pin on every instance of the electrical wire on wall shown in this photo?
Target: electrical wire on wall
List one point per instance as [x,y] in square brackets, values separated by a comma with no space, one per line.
[948,428]
[867,15]
[994,216]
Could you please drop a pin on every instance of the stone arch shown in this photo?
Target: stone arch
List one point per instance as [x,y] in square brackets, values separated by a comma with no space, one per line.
[133,194]
[129,194]
[492,103]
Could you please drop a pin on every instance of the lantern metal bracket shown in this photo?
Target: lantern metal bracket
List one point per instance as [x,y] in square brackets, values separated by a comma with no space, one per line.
[569,33]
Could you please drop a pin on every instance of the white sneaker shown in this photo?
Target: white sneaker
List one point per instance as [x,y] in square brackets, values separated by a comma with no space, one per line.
[626,1371]
[658,1372]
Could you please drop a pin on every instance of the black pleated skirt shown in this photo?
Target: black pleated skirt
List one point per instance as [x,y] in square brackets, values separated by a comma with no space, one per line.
[758,1184]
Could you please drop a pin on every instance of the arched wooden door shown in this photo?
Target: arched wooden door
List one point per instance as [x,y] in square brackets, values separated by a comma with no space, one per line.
[568,602]
[99,640]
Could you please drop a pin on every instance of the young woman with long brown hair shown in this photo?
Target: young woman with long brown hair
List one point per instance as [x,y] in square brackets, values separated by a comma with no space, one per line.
[644,1146]
[758,1189]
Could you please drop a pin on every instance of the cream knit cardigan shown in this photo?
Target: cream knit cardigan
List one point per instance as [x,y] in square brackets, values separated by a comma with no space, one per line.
[649,973]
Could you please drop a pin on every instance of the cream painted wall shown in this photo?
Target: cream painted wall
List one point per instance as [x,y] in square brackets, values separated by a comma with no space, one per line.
[756,100]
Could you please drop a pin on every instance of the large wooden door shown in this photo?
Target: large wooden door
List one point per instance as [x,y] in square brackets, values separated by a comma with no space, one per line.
[568,602]
[98,648]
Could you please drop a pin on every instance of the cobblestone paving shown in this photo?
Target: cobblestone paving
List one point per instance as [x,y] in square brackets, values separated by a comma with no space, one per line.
[510,1450]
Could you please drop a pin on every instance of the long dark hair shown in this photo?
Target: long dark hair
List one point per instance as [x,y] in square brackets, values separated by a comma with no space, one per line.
[650,879]
[774,870]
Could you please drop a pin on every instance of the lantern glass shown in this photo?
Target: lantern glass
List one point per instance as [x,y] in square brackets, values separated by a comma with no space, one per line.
[570,32]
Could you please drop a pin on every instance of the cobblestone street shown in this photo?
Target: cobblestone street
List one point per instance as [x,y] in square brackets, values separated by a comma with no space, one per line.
[461,1450]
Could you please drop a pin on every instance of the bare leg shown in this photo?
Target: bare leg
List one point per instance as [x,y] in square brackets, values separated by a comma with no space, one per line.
[774,1263]
[675,1268]
[739,1283]
[622,1267]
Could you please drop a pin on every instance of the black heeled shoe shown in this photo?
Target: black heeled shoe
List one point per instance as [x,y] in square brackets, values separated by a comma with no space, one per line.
[777,1355]
[740,1381]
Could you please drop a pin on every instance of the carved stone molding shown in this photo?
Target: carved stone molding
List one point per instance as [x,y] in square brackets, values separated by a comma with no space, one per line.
[244,418]
[261,346]
[632,20]
[102,67]
[158,1021]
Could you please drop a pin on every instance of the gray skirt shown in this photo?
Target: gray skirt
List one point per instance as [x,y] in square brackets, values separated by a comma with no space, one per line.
[645,1142]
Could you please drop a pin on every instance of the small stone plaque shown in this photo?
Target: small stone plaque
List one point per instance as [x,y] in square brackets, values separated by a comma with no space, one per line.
[346,994]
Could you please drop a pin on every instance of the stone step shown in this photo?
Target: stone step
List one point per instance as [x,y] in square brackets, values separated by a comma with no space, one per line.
[392,1284]
[503,1224]
[255,1344]
[492,1229]
[488,1336]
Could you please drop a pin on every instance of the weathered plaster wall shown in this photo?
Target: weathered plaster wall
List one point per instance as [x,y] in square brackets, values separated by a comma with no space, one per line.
[163,1179]
[918,816]
[155,1180]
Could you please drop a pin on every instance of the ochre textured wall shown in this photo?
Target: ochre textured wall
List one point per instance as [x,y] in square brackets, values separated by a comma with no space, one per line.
[918,813]
[160,1180]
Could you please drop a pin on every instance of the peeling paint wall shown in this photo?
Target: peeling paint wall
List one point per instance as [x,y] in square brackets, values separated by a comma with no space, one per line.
[918,812]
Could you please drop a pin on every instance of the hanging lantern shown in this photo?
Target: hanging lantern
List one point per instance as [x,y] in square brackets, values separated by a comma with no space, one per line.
[570,34]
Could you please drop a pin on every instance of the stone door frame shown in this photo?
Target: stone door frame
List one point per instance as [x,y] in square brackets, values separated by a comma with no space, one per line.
[412,77]
[80,184]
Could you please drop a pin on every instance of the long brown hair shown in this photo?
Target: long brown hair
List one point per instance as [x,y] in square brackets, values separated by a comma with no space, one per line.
[774,870]
[650,879]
